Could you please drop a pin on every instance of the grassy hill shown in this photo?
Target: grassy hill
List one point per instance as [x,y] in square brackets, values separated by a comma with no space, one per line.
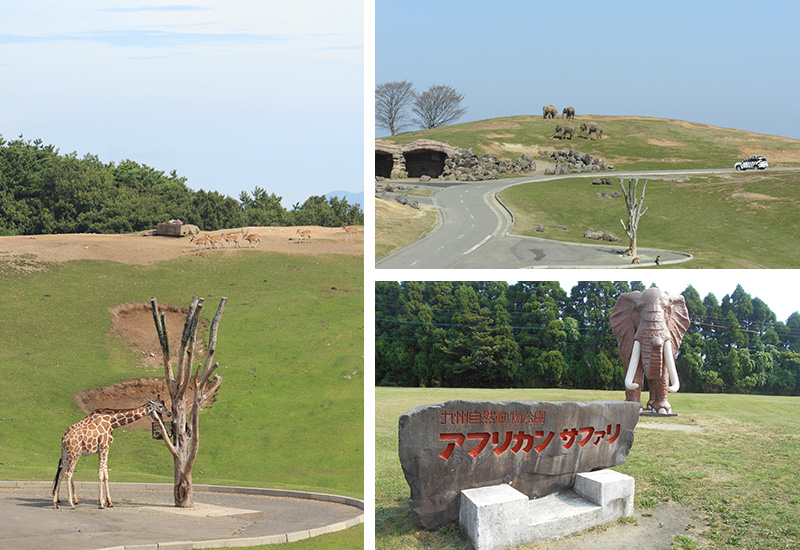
[289,413]
[743,220]
[736,469]
[629,143]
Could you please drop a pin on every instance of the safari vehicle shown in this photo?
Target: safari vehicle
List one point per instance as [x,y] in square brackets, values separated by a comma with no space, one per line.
[752,163]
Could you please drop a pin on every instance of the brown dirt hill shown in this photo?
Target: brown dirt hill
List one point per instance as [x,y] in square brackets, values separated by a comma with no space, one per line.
[23,252]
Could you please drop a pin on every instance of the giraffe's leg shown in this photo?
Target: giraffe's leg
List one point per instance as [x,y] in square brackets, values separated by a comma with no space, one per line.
[101,471]
[70,488]
[103,475]
[57,482]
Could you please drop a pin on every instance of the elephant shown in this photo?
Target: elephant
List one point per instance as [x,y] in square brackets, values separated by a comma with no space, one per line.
[649,327]
[549,111]
[568,112]
[591,128]
[562,130]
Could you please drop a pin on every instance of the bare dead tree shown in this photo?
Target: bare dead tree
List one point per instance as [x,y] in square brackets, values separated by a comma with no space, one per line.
[635,211]
[392,100]
[438,106]
[186,435]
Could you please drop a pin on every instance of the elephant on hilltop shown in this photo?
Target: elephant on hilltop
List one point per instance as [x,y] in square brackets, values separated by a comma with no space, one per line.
[549,111]
[591,128]
[564,130]
[568,112]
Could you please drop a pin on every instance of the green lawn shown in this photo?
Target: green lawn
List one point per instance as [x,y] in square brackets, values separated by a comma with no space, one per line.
[739,473]
[743,220]
[286,416]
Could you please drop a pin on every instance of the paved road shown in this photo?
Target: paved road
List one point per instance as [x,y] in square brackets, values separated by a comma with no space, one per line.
[474,232]
[143,514]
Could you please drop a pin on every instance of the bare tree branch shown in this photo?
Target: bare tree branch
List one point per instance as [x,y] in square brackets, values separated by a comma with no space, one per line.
[438,106]
[187,435]
[392,100]
[635,212]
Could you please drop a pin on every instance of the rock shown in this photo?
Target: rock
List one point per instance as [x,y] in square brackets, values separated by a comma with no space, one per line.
[602,181]
[572,161]
[536,447]
[596,235]
[424,179]
[564,227]
[540,228]
[405,200]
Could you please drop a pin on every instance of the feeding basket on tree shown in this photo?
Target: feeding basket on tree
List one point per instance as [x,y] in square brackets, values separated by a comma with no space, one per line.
[157,431]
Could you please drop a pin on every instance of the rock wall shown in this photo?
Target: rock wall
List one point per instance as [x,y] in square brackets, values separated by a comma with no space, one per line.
[426,158]
[572,161]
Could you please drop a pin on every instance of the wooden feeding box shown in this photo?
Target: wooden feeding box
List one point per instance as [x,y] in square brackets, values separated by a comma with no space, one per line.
[157,432]
[169,229]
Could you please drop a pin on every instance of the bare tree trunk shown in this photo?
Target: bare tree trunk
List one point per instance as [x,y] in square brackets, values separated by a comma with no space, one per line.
[635,211]
[186,435]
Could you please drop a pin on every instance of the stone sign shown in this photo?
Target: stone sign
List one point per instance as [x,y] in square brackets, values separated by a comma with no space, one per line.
[536,447]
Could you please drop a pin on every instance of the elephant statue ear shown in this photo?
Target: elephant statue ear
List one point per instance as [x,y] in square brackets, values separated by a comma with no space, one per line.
[678,320]
[624,320]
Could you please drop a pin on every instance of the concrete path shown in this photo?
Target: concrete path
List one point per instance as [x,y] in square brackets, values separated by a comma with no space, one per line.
[144,517]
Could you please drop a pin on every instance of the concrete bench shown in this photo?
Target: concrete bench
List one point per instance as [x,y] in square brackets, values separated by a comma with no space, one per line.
[499,516]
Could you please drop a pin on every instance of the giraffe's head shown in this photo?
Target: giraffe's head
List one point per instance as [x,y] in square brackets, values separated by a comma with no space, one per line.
[155,405]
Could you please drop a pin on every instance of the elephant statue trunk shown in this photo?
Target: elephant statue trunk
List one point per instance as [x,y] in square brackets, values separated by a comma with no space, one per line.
[649,327]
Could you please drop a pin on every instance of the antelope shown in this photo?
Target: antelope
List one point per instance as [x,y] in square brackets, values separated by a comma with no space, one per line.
[635,260]
[658,260]
[304,234]
[199,241]
[251,238]
[628,252]
[232,238]
[352,230]
[214,239]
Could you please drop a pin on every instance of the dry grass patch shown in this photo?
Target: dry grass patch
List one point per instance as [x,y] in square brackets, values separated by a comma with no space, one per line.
[397,225]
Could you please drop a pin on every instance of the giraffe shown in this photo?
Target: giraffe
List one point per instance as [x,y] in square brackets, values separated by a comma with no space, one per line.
[93,435]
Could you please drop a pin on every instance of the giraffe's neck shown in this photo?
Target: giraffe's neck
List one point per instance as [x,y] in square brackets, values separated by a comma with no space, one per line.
[120,418]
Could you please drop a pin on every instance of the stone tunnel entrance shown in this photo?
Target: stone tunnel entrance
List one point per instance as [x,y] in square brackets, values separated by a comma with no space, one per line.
[425,163]
[383,164]
[423,157]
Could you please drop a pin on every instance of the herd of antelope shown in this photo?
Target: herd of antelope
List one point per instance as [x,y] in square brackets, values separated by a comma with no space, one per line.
[211,241]
[253,239]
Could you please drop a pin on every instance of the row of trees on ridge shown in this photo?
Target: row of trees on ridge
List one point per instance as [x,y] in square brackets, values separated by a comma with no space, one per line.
[534,334]
[43,192]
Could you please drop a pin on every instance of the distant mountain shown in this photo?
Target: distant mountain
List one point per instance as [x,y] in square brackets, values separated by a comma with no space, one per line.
[352,198]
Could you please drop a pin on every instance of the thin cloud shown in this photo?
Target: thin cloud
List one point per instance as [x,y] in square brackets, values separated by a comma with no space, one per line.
[150,38]
[156,8]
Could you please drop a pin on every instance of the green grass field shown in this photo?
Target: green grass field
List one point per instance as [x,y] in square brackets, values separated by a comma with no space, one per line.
[742,220]
[739,473]
[285,415]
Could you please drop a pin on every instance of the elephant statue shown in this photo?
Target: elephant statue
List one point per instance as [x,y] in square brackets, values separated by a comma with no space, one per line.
[549,111]
[649,327]
[568,112]
[591,128]
[562,130]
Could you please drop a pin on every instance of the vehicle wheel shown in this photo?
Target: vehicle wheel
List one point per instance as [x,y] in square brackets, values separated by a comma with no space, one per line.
[738,168]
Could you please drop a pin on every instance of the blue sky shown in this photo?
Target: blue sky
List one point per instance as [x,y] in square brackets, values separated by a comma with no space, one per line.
[728,64]
[775,287]
[232,95]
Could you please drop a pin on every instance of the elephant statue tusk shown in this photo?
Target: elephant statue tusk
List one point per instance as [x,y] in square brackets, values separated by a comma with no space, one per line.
[674,382]
[635,353]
